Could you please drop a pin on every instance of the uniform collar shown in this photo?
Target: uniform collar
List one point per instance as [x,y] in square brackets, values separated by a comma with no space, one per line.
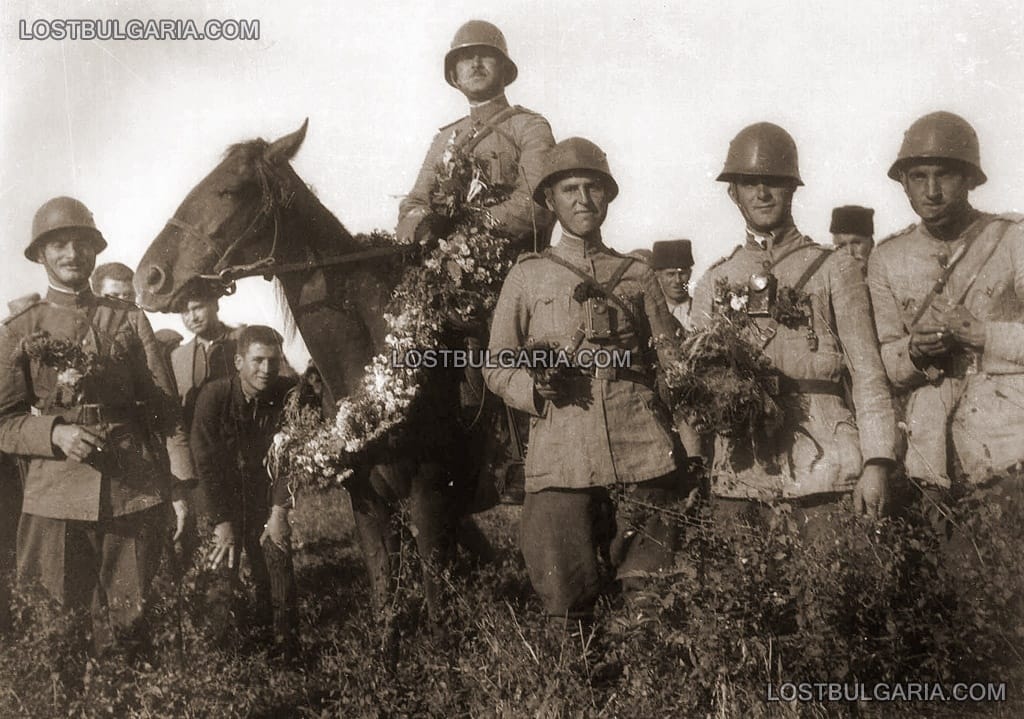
[68,298]
[673,305]
[207,344]
[571,246]
[971,216]
[484,111]
[773,240]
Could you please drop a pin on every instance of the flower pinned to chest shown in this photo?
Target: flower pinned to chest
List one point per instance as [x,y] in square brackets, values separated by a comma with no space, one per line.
[74,366]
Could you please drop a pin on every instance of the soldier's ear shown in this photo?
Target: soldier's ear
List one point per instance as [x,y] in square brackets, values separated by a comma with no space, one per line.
[547,199]
[239,361]
[732,194]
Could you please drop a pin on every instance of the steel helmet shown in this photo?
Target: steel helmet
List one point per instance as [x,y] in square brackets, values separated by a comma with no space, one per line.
[575,153]
[761,149]
[940,136]
[58,214]
[479,33]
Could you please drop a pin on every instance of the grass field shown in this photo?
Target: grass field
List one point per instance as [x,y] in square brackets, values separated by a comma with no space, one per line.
[717,645]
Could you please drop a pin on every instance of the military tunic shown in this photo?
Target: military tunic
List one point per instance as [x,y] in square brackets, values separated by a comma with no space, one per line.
[970,404]
[608,452]
[137,399]
[512,154]
[622,435]
[822,448]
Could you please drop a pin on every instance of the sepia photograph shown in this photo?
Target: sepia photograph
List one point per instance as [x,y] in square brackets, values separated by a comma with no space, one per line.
[512,359]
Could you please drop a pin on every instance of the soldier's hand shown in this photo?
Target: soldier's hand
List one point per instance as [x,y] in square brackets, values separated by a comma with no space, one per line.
[930,340]
[964,327]
[547,391]
[224,546]
[181,515]
[277,528]
[76,441]
[873,494]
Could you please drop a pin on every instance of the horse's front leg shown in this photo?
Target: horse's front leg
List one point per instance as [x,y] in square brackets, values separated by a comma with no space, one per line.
[432,512]
[375,509]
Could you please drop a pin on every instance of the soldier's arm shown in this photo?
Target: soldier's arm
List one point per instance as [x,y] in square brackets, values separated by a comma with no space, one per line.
[893,336]
[703,300]
[876,420]
[209,447]
[415,206]
[509,331]
[1004,340]
[158,391]
[519,214]
[20,432]
[662,324]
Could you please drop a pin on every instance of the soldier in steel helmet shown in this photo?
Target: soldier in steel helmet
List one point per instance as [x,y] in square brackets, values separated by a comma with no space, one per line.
[947,297]
[822,453]
[509,139]
[98,479]
[598,435]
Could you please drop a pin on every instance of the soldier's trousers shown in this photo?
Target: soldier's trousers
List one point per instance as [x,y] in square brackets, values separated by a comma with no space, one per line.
[563,531]
[810,513]
[273,574]
[106,566]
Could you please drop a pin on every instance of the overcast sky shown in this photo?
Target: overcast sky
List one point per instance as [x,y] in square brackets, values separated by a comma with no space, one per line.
[129,127]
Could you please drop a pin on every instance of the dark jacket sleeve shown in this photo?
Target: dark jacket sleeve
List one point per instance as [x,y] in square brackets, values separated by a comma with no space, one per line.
[20,432]
[158,390]
[209,449]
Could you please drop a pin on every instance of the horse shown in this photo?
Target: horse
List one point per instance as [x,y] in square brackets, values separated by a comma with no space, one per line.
[253,215]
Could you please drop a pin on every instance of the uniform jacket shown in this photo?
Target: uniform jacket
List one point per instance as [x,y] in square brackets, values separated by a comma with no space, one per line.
[189,374]
[973,404]
[135,388]
[230,438]
[622,434]
[513,155]
[822,448]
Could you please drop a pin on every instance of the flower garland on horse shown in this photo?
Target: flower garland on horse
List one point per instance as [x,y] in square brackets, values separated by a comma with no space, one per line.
[452,279]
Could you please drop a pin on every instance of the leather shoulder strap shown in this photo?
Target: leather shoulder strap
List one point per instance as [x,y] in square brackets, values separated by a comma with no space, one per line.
[492,126]
[772,326]
[607,288]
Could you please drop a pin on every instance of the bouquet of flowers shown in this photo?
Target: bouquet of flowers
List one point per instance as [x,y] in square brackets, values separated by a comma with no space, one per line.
[74,366]
[453,280]
[721,380]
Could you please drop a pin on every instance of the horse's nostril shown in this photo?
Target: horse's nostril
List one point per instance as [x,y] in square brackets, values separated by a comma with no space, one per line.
[155,279]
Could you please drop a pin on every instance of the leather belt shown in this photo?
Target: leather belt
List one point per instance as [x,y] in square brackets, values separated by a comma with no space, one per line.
[788,385]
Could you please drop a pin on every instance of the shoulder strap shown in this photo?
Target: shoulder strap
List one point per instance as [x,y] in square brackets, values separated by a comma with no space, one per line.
[940,283]
[490,126]
[988,256]
[772,326]
[815,265]
[607,288]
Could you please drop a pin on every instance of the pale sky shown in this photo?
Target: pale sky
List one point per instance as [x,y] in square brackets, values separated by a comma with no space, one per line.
[130,126]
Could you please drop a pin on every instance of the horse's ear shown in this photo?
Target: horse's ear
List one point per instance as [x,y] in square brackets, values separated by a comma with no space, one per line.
[284,148]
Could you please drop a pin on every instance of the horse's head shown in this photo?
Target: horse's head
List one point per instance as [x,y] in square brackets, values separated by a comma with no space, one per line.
[231,217]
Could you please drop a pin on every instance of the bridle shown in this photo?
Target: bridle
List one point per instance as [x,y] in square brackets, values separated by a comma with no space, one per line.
[273,200]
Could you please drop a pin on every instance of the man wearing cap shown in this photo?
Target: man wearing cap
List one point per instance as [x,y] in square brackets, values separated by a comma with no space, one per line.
[853,231]
[210,353]
[672,261]
[598,436]
[509,140]
[947,294]
[97,479]
[822,453]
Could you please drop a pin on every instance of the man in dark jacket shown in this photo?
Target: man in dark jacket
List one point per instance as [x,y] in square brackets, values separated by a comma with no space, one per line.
[233,427]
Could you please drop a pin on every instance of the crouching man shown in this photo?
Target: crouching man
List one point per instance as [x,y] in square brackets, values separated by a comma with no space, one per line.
[232,429]
[600,439]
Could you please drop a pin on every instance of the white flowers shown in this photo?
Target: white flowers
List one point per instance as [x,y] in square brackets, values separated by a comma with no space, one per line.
[738,302]
[70,378]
